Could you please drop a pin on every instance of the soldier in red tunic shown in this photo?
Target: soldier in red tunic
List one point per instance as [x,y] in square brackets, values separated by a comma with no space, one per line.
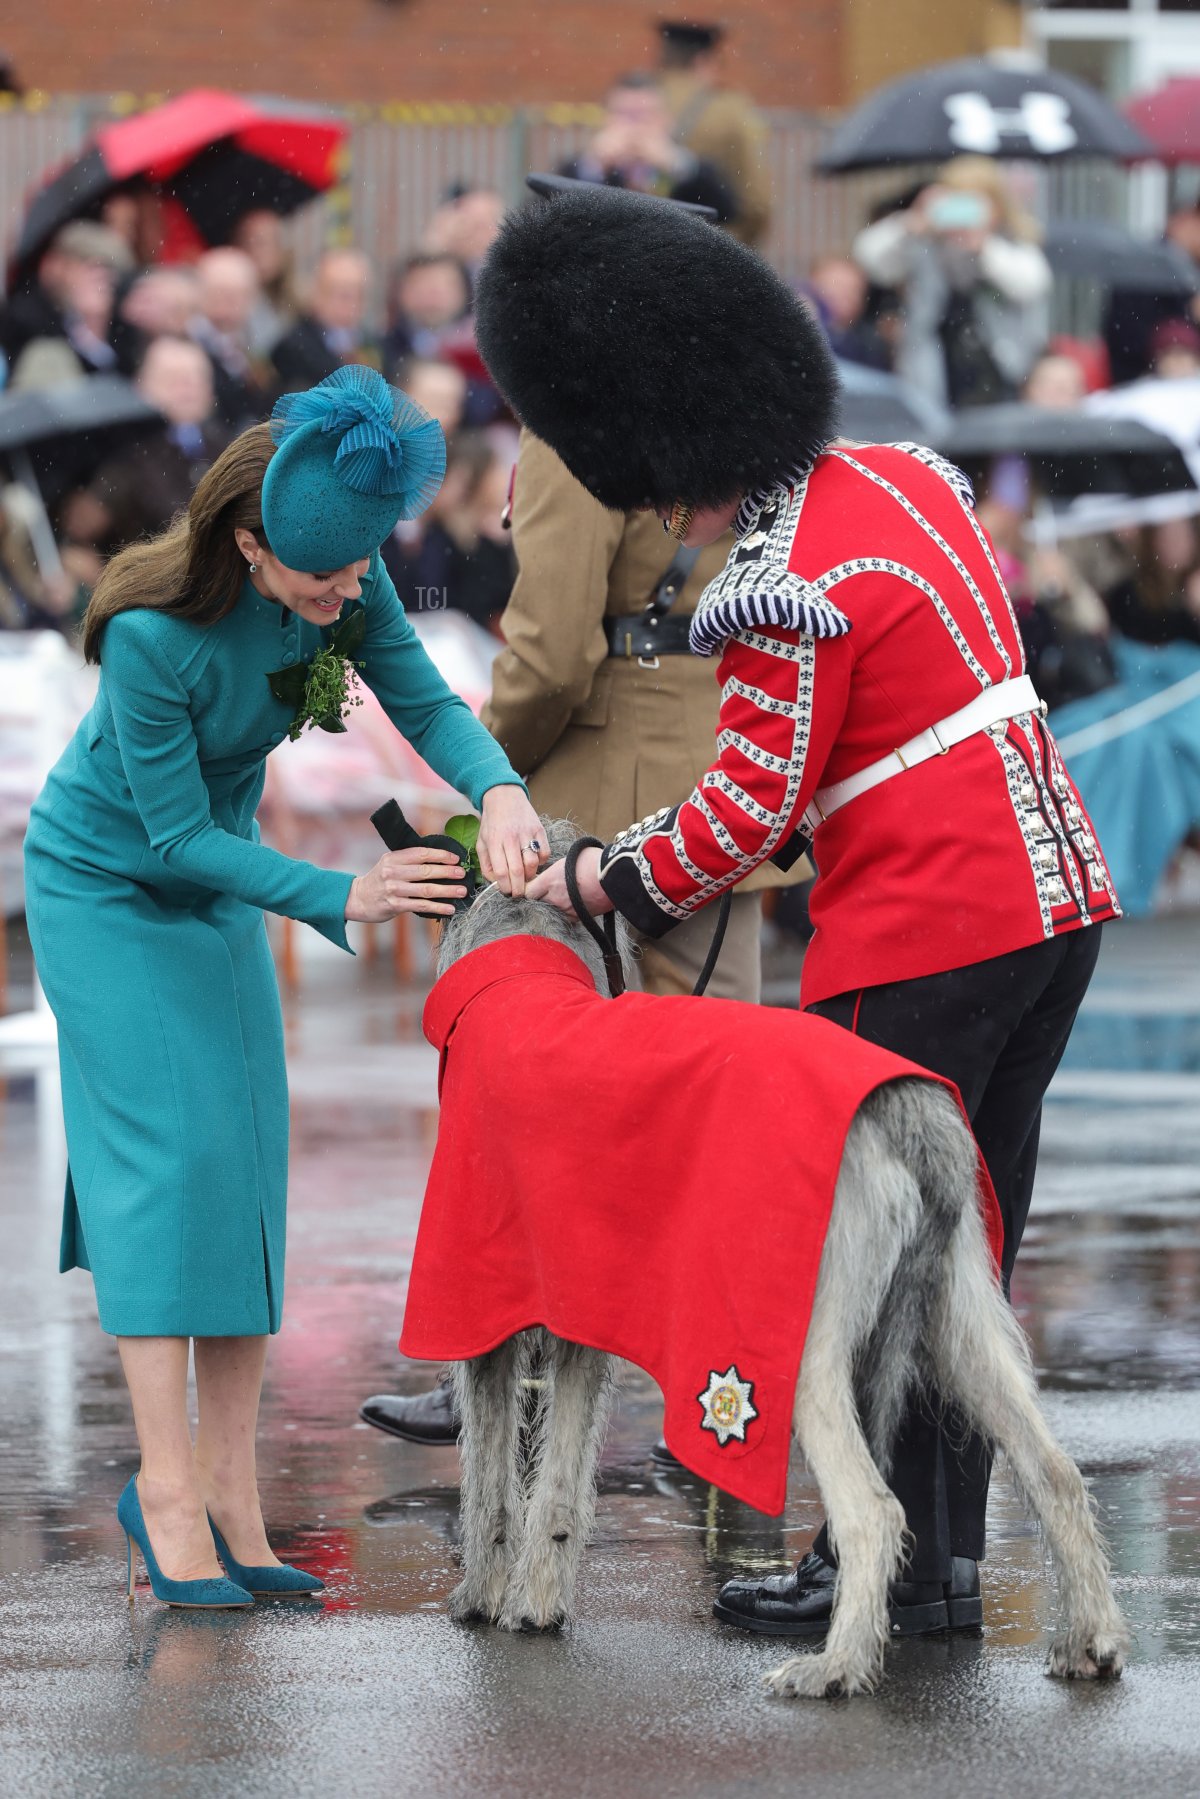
[874,701]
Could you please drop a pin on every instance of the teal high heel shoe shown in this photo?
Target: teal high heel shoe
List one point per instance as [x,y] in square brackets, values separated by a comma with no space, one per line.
[284,1582]
[196,1594]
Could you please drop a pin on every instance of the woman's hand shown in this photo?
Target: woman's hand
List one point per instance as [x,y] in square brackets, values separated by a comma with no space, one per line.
[551,886]
[403,881]
[509,828]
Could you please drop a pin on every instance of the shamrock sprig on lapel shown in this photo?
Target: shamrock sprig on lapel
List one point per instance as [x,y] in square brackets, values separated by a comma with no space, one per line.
[321,689]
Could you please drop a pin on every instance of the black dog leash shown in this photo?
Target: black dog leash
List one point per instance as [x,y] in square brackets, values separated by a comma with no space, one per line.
[714,948]
[606,935]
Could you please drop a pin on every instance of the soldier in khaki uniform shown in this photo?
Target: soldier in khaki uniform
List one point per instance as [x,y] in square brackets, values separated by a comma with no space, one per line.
[716,123]
[603,738]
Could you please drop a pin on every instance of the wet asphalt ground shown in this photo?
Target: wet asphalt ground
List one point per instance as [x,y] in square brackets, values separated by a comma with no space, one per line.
[373,1691]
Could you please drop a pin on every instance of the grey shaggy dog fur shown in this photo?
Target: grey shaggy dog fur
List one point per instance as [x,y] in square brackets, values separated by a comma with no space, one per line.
[906,1294]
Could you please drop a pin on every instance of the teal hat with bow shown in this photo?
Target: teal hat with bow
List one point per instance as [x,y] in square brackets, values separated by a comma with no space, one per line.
[355,456]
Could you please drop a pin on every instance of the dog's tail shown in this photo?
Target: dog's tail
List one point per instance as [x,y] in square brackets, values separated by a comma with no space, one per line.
[924,1130]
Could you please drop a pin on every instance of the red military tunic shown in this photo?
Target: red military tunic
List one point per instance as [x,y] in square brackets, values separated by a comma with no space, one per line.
[861,605]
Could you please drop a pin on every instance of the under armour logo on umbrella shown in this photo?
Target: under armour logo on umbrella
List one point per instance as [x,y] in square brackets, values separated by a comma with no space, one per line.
[1044,120]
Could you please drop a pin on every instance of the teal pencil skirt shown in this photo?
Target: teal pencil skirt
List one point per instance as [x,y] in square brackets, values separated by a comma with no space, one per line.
[174,1098]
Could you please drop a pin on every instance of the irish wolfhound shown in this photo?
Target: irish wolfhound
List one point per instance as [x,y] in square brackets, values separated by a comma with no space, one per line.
[906,1293]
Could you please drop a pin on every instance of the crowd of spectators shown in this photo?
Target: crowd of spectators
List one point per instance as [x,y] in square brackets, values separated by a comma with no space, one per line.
[947,286]
[212,342]
[210,345]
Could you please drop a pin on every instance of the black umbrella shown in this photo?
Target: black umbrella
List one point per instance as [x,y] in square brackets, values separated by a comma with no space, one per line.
[1073,452]
[979,108]
[78,409]
[1115,258]
[53,437]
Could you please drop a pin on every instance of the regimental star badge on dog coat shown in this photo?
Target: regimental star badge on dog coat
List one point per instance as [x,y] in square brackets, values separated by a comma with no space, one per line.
[727,1407]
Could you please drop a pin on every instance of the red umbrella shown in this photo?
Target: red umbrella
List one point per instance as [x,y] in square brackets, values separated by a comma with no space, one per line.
[217,154]
[1170,118]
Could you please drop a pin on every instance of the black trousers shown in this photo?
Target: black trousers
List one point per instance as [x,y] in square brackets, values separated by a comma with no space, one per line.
[998,1029]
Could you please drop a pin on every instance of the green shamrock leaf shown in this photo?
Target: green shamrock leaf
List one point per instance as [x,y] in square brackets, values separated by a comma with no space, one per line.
[288,684]
[349,634]
[464,828]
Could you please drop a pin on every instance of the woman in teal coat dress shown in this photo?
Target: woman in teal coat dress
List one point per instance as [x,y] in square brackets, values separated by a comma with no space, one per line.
[147,885]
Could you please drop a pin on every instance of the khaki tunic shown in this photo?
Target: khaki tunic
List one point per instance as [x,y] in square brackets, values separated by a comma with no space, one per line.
[726,128]
[601,740]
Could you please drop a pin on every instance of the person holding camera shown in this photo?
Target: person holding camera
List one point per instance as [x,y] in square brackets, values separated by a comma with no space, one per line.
[634,148]
[974,282]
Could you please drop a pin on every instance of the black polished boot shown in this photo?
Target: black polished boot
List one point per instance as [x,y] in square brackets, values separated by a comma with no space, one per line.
[800,1604]
[964,1606]
[429,1418]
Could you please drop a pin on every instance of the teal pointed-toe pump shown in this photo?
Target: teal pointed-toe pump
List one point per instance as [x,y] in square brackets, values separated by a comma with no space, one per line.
[208,1594]
[283,1582]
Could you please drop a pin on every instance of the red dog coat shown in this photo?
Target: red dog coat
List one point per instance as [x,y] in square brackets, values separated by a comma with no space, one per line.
[651,1177]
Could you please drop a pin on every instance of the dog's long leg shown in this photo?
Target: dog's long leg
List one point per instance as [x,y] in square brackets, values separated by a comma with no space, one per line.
[488,1396]
[560,1487]
[981,1360]
[925,1132]
[877,1212]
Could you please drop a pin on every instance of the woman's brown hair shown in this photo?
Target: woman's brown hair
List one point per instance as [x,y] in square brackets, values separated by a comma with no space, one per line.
[194,568]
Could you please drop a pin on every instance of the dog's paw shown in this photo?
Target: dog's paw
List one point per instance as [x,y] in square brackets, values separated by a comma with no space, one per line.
[530,1626]
[523,1613]
[1101,1656]
[818,1677]
[467,1604]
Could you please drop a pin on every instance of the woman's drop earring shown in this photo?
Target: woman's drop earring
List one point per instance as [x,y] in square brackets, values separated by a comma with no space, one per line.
[254,568]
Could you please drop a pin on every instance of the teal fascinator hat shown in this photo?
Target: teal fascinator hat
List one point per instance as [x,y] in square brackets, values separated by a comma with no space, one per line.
[355,456]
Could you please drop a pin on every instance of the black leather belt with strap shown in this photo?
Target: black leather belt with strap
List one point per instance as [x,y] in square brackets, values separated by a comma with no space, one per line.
[647,634]
[655,631]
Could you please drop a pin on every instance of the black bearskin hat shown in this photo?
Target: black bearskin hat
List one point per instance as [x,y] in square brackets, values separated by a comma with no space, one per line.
[660,358]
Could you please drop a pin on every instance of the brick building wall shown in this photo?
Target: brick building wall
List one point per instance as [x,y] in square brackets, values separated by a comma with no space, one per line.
[786,52]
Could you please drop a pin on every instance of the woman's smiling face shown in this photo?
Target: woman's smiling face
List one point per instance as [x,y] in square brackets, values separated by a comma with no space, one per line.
[318,598]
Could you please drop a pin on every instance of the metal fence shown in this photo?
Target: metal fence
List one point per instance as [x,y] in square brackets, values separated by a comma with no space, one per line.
[401,158]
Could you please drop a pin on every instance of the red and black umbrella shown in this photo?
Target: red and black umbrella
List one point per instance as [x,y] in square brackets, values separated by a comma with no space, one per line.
[1169,119]
[218,155]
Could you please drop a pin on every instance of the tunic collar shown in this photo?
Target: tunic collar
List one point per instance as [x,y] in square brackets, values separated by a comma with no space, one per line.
[507,959]
[747,513]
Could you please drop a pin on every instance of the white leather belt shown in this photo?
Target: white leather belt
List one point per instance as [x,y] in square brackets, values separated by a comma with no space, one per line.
[1008,699]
